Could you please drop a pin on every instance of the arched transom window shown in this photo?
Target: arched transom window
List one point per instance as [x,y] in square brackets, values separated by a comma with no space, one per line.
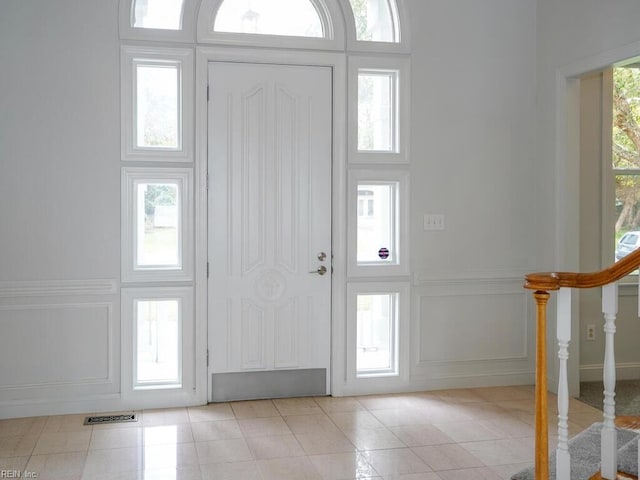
[158,14]
[298,18]
[375,20]
[323,24]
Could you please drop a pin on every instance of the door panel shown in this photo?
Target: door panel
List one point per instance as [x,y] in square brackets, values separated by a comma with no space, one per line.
[269,217]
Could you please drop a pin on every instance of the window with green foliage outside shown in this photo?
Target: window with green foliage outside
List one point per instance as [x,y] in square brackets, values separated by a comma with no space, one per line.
[374,21]
[626,157]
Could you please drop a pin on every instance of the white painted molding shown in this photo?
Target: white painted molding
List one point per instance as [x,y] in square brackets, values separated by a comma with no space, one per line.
[624,371]
[28,389]
[459,291]
[46,288]
[487,278]
[111,402]
[444,382]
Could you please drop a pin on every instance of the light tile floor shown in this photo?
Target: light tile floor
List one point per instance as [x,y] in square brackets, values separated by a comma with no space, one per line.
[482,433]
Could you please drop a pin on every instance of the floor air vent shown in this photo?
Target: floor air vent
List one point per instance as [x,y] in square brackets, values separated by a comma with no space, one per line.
[100,419]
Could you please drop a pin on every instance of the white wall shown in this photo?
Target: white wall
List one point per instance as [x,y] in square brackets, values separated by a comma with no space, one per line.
[59,203]
[60,140]
[473,133]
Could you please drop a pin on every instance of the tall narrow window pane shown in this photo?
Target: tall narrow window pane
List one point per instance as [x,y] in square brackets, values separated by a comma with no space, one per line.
[376,334]
[376,111]
[163,14]
[626,159]
[276,17]
[374,21]
[158,340]
[158,225]
[627,215]
[376,233]
[158,106]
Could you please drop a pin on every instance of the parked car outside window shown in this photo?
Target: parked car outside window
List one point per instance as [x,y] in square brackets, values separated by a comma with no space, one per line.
[627,244]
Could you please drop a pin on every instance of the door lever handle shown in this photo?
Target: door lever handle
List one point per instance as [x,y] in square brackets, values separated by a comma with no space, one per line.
[320,271]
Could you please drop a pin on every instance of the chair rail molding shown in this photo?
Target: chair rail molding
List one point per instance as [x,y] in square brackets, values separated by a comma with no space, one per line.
[45,288]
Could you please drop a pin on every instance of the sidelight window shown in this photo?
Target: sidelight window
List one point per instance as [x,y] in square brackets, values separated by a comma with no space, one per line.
[158,343]
[157,104]
[377,335]
[379,110]
[158,329]
[156,235]
[378,222]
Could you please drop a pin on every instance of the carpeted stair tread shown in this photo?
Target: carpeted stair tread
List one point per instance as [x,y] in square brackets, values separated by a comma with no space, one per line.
[628,458]
[585,454]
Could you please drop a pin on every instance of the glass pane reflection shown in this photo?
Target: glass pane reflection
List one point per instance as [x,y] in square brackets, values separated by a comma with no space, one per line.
[276,17]
[376,334]
[374,21]
[158,342]
[162,14]
[157,106]
[376,119]
[158,225]
[376,230]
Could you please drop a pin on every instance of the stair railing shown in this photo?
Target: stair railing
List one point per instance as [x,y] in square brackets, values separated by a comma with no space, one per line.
[563,283]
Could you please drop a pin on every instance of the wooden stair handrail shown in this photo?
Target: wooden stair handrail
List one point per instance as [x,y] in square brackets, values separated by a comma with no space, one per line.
[541,283]
[546,281]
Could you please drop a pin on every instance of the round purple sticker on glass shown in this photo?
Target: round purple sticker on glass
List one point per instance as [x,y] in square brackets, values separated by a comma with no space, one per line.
[383,253]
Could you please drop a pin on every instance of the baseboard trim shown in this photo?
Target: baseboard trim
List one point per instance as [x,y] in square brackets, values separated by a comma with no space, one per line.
[93,404]
[624,371]
[425,384]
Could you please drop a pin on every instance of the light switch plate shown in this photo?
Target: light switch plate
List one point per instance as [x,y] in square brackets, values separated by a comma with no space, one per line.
[434,221]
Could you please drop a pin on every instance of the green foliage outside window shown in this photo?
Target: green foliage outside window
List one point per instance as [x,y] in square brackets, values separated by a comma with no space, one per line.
[626,148]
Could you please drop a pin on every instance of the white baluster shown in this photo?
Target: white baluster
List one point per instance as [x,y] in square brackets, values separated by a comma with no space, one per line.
[609,453]
[563,460]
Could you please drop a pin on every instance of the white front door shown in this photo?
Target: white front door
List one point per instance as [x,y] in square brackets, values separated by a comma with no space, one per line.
[269,229]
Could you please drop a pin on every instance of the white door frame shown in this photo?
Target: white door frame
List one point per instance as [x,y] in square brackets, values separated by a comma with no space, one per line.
[337,61]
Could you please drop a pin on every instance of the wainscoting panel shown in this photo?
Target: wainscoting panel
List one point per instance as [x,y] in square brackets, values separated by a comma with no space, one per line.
[46,345]
[472,328]
[60,344]
[471,331]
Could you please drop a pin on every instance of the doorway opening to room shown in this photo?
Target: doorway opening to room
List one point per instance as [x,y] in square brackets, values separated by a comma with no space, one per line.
[610,165]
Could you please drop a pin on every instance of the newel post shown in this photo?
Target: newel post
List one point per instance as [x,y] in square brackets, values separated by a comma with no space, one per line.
[542,435]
